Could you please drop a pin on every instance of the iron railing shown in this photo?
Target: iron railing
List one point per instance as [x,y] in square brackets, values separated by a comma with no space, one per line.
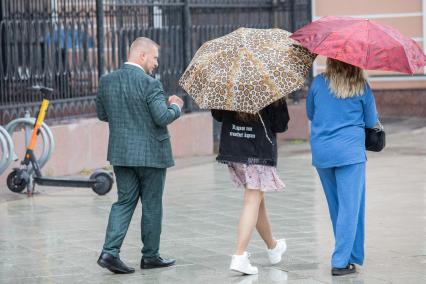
[68,44]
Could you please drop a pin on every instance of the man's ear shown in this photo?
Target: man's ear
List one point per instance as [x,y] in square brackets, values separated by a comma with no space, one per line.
[142,56]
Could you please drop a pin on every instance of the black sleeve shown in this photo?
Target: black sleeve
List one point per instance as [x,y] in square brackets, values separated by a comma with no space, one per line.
[280,117]
[217,114]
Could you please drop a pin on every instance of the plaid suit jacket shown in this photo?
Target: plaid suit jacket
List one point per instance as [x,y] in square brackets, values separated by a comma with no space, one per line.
[135,108]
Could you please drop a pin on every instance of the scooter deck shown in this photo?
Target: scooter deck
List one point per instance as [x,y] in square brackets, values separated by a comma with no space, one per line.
[65,182]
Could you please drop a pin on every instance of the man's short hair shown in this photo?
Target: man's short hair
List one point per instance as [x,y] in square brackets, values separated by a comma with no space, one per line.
[142,44]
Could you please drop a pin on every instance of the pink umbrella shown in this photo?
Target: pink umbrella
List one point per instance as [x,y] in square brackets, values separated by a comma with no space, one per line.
[363,43]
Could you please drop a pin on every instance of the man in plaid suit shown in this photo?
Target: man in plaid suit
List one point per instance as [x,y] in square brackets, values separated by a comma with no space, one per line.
[133,104]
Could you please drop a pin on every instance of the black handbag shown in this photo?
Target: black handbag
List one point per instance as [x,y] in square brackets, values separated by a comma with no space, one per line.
[375,139]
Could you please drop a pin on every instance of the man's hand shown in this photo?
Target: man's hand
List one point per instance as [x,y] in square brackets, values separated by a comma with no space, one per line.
[176,100]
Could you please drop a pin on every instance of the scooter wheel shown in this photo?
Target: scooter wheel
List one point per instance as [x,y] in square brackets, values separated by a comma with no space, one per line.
[103,184]
[15,182]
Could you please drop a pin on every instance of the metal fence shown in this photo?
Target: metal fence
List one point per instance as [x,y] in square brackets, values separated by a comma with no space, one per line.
[67,44]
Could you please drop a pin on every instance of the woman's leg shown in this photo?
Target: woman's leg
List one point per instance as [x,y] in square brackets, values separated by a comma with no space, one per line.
[357,255]
[329,185]
[350,190]
[264,227]
[248,219]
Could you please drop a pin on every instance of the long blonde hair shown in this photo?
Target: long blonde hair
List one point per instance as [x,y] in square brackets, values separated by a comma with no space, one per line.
[345,80]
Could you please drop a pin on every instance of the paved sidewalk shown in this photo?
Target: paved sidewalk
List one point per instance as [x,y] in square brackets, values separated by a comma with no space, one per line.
[56,236]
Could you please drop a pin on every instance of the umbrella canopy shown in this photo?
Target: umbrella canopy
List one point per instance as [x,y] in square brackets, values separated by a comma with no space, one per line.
[363,43]
[246,70]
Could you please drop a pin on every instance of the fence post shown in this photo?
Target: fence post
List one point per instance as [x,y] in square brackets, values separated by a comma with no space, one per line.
[187,32]
[293,15]
[100,36]
[275,14]
[187,41]
[296,94]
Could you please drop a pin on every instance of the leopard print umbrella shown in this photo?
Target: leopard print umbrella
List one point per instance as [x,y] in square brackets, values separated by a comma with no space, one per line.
[246,70]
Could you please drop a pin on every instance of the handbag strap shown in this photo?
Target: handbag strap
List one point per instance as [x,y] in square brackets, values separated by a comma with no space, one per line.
[380,125]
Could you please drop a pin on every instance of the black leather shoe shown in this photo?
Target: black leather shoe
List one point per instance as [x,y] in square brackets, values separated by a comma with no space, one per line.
[343,271]
[114,264]
[157,262]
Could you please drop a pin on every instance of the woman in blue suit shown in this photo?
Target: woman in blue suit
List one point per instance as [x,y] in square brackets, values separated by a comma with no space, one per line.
[340,105]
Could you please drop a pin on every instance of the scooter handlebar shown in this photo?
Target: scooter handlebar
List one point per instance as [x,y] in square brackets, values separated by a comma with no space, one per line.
[44,90]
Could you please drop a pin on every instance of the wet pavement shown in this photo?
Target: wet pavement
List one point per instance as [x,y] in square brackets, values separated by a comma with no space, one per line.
[56,236]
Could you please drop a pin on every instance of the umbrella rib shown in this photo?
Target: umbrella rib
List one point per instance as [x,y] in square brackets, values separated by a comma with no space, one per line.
[233,71]
[347,40]
[387,57]
[325,37]
[412,70]
[367,55]
[391,37]
[267,77]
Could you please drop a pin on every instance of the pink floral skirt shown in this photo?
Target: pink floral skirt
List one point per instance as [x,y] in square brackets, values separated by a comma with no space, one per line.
[257,177]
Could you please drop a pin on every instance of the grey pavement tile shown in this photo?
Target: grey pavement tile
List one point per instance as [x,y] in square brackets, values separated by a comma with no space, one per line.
[39,270]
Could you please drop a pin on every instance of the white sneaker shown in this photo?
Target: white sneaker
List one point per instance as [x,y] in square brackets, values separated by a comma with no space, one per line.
[276,253]
[241,263]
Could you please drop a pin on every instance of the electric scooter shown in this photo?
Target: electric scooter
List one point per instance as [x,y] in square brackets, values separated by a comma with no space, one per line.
[100,181]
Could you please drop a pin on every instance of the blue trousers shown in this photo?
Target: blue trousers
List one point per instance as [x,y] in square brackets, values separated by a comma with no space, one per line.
[344,188]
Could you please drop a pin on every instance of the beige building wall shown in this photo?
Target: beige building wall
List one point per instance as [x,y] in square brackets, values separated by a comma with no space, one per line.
[408,16]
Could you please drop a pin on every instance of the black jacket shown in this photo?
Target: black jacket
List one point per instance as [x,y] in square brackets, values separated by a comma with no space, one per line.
[247,142]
